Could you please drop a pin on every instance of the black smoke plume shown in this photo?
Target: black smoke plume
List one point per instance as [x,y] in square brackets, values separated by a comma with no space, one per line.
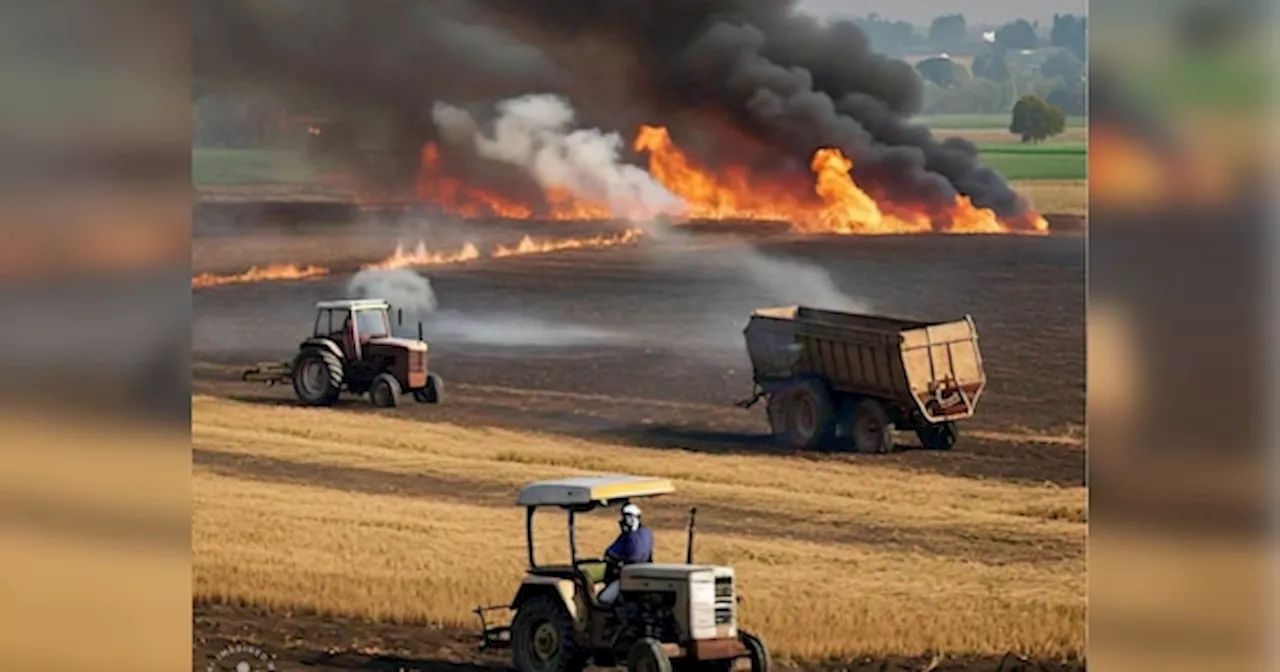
[755,67]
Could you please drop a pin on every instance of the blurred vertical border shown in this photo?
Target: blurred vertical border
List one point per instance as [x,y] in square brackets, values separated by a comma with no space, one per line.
[94,289]
[1181,159]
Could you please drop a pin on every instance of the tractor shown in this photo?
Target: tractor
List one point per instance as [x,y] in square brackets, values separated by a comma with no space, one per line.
[351,349]
[667,615]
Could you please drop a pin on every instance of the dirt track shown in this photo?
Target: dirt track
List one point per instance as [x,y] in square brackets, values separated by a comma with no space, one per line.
[634,347]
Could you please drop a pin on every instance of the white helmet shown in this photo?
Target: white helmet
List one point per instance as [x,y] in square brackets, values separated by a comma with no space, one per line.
[630,517]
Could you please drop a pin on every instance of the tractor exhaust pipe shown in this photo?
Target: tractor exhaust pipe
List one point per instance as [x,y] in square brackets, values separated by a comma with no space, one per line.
[420,330]
[688,549]
[399,317]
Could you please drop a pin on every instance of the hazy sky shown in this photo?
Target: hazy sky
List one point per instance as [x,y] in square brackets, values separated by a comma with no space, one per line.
[922,12]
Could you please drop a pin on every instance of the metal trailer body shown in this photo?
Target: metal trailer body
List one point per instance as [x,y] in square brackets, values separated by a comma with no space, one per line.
[828,373]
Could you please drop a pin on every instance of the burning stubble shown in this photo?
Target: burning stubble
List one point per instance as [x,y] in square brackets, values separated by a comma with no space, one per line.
[537,134]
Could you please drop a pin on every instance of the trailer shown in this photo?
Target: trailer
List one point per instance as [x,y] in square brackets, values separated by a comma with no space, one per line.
[833,378]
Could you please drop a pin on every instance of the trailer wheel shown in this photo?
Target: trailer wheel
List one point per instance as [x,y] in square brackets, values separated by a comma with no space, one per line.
[871,430]
[941,436]
[317,377]
[810,415]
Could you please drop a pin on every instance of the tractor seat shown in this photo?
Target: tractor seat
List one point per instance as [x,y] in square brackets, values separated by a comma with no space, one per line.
[593,573]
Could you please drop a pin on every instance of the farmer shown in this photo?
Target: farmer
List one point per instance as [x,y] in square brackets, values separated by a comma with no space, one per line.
[633,545]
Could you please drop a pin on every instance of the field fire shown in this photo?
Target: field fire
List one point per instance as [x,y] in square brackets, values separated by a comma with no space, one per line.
[255,274]
[826,201]
[421,256]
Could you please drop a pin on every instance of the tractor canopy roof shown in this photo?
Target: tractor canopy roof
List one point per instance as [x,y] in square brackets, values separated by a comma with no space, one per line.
[352,304]
[591,490]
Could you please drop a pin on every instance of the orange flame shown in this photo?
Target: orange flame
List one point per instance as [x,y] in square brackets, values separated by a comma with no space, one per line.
[450,193]
[255,274]
[842,207]
[831,203]
[420,256]
[729,196]
[847,208]
[528,246]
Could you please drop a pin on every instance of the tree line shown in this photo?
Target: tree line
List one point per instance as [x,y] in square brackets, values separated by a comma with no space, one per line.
[1006,64]
[952,34]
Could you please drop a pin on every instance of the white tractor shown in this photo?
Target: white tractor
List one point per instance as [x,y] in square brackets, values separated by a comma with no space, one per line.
[666,613]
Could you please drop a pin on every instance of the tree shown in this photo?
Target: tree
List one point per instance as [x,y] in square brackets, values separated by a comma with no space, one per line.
[1017,35]
[948,33]
[1063,66]
[1069,32]
[942,71]
[1035,120]
[991,65]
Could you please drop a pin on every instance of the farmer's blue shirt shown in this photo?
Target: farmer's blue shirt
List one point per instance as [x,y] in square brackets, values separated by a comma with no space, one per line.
[633,547]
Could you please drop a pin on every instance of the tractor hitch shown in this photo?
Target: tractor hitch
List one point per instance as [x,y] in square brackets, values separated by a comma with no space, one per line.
[270,373]
[493,637]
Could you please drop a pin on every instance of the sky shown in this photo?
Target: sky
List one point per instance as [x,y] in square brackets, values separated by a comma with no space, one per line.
[922,12]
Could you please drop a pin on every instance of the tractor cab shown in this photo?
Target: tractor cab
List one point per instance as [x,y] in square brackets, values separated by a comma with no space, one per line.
[665,610]
[352,323]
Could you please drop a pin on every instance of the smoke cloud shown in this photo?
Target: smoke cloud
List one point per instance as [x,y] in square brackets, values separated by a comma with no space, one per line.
[412,293]
[535,133]
[716,72]
[402,288]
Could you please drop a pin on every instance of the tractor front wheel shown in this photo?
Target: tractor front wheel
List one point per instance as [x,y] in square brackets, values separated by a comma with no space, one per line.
[542,638]
[647,655]
[432,392]
[757,652]
[384,392]
[317,377]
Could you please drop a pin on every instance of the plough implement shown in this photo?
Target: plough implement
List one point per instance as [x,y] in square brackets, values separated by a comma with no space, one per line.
[271,373]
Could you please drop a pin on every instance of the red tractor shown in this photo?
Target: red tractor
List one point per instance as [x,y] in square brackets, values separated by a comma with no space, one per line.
[352,350]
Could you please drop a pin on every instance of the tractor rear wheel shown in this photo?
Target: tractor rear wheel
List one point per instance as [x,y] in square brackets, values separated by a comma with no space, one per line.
[317,377]
[941,436]
[542,638]
[810,415]
[757,652]
[871,430]
[432,392]
[646,655]
[385,391]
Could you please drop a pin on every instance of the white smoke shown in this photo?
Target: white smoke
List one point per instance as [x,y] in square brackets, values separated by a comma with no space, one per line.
[402,288]
[535,133]
[412,294]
